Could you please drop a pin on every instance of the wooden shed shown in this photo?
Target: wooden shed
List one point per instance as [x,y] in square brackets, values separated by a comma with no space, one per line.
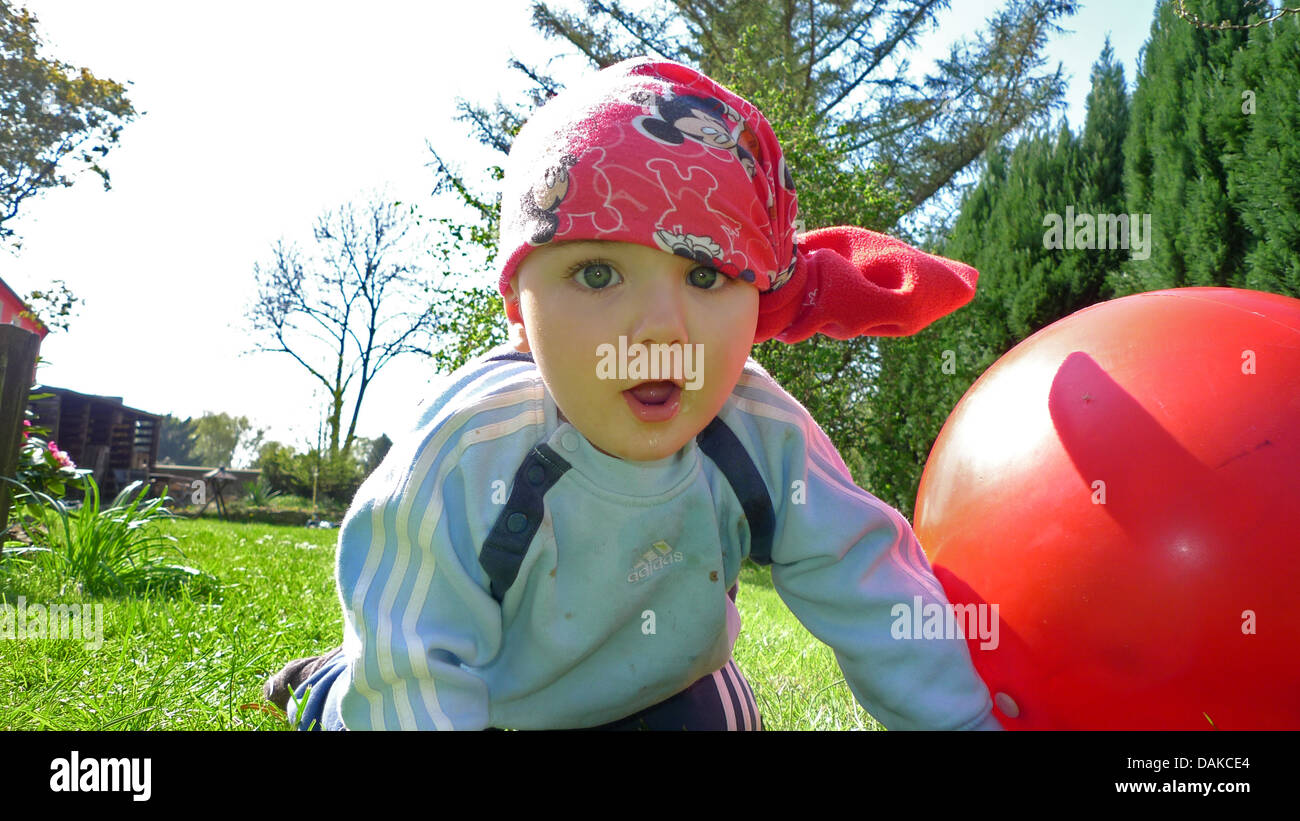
[118,443]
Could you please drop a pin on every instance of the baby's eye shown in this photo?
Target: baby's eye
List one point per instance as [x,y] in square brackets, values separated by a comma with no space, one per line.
[706,278]
[595,275]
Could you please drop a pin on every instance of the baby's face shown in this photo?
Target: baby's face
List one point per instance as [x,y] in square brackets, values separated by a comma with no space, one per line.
[577,298]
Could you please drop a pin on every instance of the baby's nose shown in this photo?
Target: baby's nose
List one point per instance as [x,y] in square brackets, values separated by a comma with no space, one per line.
[662,316]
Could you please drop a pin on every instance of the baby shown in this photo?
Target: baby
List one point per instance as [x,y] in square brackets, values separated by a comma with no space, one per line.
[558,544]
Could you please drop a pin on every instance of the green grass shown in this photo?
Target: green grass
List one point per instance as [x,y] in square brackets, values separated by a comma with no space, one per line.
[197,663]
[178,663]
[794,676]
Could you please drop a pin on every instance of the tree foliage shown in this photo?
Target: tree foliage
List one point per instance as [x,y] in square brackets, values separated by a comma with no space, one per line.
[220,437]
[1263,186]
[842,68]
[212,440]
[335,479]
[53,307]
[176,441]
[1264,10]
[466,312]
[1212,149]
[1184,119]
[1206,148]
[55,119]
[374,452]
[866,144]
[1024,284]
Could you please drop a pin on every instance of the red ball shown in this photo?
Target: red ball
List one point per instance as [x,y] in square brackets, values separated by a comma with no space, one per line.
[1125,486]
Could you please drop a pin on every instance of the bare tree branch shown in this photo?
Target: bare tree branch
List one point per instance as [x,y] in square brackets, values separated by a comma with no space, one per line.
[355,291]
[1269,15]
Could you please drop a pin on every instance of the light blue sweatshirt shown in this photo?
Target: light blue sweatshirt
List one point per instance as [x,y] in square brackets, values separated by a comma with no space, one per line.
[621,599]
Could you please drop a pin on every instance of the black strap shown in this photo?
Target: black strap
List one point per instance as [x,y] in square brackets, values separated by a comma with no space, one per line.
[513,356]
[720,444]
[506,545]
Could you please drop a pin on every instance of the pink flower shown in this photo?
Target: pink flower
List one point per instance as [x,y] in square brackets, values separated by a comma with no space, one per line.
[60,456]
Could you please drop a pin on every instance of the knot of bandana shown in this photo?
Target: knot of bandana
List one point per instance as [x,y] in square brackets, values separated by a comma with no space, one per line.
[656,153]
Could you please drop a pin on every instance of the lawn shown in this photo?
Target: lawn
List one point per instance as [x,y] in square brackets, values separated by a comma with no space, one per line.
[198,662]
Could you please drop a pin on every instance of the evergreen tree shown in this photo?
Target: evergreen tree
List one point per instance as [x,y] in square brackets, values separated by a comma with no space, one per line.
[1104,132]
[999,231]
[1025,282]
[176,441]
[1263,185]
[1185,119]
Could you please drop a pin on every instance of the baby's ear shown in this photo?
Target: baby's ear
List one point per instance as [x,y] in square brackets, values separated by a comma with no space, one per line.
[518,335]
[511,299]
[512,310]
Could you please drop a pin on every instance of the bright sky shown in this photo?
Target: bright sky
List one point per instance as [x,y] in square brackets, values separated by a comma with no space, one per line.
[260,116]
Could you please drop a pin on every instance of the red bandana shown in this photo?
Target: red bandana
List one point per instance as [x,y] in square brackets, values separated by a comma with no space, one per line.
[657,154]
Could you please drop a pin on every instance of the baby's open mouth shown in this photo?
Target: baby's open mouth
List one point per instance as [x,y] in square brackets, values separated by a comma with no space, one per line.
[654,401]
[653,393]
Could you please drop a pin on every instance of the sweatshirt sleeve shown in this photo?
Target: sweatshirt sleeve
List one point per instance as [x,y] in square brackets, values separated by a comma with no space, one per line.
[850,569]
[418,614]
